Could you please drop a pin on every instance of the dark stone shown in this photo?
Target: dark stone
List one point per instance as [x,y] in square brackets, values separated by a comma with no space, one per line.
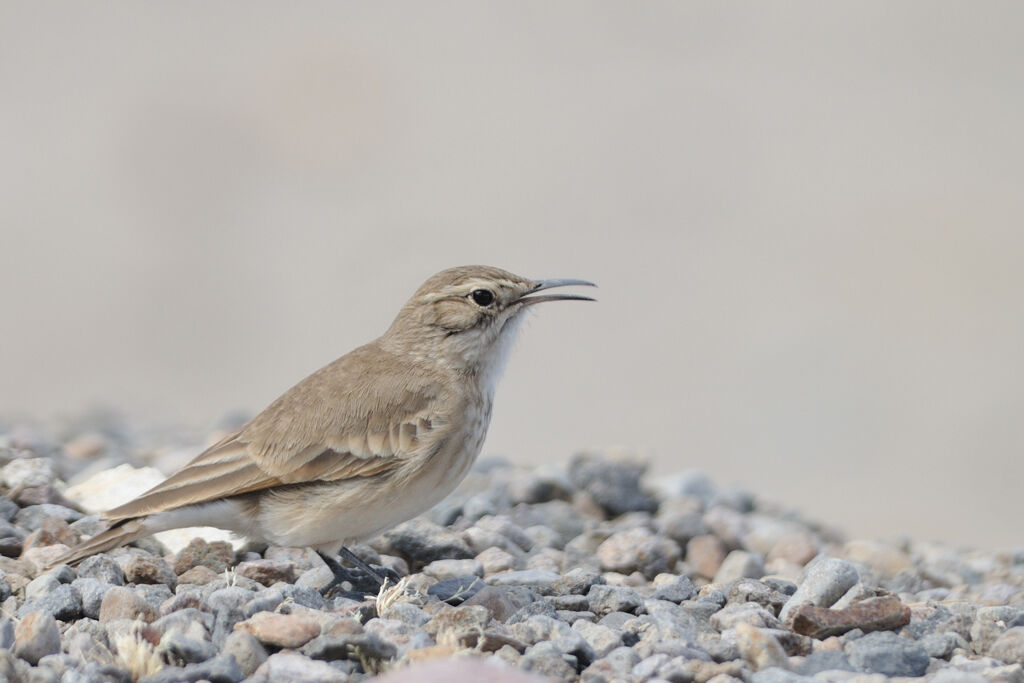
[502,602]
[32,516]
[614,485]
[101,567]
[456,591]
[539,607]
[356,646]
[421,542]
[678,590]
[63,603]
[182,650]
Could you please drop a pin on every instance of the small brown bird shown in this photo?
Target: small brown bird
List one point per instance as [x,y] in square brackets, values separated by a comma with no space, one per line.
[366,442]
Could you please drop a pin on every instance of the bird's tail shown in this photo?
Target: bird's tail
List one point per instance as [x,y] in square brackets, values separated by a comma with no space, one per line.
[123,532]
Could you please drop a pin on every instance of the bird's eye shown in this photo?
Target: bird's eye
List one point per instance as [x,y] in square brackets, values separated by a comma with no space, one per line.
[482,297]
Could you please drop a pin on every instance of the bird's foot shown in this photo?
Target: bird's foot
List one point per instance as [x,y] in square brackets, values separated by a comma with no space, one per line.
[362,578]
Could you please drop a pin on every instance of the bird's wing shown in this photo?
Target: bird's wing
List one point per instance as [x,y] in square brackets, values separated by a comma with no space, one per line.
[345,421]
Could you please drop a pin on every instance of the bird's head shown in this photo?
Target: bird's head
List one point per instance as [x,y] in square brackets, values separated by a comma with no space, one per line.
[469,315]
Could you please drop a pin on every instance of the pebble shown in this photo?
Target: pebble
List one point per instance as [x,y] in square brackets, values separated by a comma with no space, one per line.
[280,630]
[588,572]
[825,581]
[886,653]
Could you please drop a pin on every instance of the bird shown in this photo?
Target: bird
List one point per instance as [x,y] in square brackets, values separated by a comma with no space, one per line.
[366,442]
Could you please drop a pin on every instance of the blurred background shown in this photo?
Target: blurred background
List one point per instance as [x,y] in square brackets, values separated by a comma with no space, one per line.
[805,220]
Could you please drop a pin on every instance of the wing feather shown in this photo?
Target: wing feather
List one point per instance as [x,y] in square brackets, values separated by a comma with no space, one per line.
[309,434]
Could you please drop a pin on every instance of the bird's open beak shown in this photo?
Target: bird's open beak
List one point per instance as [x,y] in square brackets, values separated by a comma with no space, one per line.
[540,285]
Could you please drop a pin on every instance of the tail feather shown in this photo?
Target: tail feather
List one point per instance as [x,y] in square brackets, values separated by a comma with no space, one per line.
[116,536]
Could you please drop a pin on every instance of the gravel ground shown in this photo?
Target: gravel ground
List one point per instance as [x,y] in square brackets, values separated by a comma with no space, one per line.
[587,570]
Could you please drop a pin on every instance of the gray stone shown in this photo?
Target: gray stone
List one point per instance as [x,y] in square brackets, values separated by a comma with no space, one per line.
[450,569]
[942,645]
[825,660]
[407,613]
[737,565]
[748,613]
[316,578]
[605,599]
[886,653]
[421,542]
[614,485]
[221,669]
[538,579]
[1009,647]
[779,675]
[27,472]
[679,589]
[183,621]
[825,581]
[91,592]
[622,659]
[638,549]
[601,638]
[248,652]
[63,602]
[540,628]
[539,607]
[502,602]
[577,581]
[547,660]
[292,667]
[101,567]
[36,636]
[648,667]
[180,650]
[6,633]
[32,516]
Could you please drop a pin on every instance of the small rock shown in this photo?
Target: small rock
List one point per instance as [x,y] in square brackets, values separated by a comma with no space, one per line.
[292,667]
[1009,647]
[638,549]
[884,652]
[737,565]
[605,599]
[280,630]
[760,649]
[882,613]
[705,554]
[613,484]
[199,576]
[247,651]
[216,556]
[63,602]
[451,569]
[267,572]
[495,560]
[148,569]
[120,602]
[32,516]
[421,542]
[27,472]
[502,602]
[36,636]
[824,583]
[673,588]
[748,613]
[180,649]
[884,559]
[601,638]
[101,567]
[456,591]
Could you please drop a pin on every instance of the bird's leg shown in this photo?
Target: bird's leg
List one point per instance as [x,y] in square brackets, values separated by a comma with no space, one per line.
[359,575]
